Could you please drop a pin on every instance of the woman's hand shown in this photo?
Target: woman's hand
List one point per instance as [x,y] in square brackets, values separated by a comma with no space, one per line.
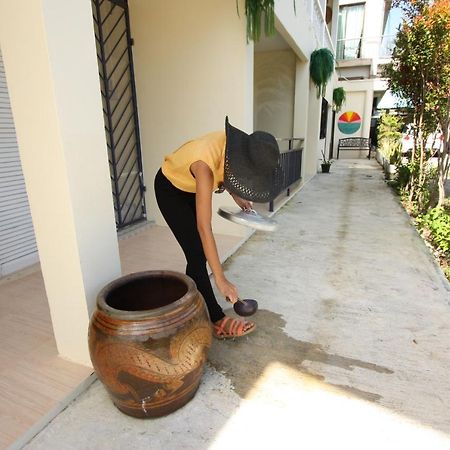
[243,204]
[227,289]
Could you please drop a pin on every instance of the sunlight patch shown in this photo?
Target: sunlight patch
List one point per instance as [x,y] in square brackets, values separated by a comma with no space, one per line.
[287,409]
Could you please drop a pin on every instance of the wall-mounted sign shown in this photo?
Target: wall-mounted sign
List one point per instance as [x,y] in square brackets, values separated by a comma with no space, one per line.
[349,122]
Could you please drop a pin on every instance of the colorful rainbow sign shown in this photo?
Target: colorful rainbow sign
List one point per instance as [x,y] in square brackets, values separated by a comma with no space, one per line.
[349,122]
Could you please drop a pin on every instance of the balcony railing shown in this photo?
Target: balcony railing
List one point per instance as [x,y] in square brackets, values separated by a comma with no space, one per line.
[355,48]
[291,163]
[317,16]
[349,48]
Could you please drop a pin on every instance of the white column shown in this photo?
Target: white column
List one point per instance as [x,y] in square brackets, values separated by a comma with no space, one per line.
[334,23]
[301,99]
[313,145]
[50,60]
[368,104]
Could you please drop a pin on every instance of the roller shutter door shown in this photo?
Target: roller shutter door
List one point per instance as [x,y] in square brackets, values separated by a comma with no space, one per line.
[17,242]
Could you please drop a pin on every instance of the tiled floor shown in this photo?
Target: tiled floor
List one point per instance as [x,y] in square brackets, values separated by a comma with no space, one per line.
[33,379]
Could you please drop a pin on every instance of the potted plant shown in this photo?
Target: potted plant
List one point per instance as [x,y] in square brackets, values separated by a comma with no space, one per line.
[339,97]
[321,67]
[326,163]
[256,12]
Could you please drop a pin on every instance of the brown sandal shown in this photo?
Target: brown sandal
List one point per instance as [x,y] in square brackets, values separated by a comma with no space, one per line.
[228,328]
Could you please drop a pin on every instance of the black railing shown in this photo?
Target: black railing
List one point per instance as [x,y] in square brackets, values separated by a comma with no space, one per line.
[291,163]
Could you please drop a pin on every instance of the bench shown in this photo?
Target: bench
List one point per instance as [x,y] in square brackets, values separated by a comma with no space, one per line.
[354,143]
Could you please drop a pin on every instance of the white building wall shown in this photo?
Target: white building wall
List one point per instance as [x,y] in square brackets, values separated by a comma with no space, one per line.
[58,117]
[305,32]
[359,99]
[301,99]
[372,34]
[274,93]
[360,92]
[373,25]
[193,67]
[298,29]
[313,145]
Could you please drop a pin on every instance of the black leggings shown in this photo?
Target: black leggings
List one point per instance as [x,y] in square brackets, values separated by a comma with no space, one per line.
[178,209]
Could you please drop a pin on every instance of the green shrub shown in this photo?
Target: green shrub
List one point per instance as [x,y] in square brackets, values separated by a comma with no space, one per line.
[402,176]
[436,223]
[389,137]
[426,190]
[447,272]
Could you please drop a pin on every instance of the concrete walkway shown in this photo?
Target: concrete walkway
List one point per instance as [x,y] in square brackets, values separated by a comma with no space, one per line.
[352,348]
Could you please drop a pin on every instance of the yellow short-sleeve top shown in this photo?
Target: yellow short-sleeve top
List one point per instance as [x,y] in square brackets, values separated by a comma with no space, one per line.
[209,148]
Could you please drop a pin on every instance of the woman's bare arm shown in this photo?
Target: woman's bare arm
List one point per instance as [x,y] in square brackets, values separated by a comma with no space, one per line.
[204,185]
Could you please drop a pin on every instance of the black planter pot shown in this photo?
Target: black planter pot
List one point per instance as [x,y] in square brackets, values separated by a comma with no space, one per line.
[326,168]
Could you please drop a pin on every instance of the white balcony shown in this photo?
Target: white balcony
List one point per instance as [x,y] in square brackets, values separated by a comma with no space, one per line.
[377,47]
[315,9]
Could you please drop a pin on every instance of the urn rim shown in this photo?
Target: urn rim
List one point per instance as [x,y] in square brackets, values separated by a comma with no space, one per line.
[185,300]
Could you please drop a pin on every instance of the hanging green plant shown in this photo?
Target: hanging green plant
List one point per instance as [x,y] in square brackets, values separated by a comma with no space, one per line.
[321,68]
[338,98]
[255,10]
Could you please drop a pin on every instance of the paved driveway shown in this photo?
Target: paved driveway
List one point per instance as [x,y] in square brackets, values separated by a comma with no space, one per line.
[352,348]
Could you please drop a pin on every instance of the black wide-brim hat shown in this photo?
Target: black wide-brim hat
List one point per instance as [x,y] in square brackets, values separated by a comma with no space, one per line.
[252,165]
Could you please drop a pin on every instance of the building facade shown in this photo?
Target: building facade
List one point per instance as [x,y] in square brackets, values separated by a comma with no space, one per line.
[366,36]
[100,91]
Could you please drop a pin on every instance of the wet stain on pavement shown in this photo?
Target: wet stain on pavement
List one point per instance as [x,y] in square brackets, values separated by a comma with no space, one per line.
[344,216]
[244,360]
[337,269]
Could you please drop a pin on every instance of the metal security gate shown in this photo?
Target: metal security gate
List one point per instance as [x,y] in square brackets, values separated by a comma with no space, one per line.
[115,62]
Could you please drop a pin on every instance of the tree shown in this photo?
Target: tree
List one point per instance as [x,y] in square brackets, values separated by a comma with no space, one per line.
[420,73]
[437,20]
